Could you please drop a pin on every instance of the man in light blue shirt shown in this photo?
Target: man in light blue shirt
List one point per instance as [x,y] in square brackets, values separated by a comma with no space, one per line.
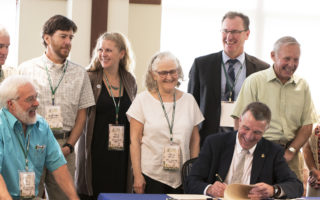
[27,143]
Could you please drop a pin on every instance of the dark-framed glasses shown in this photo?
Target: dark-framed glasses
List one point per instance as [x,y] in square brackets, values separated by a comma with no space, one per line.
[163,74]
[232,32]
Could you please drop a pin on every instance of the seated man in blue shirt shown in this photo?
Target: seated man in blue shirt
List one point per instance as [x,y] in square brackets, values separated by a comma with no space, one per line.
[244,157]
[27,144]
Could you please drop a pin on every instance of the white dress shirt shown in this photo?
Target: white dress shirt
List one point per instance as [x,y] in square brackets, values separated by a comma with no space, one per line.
[235,159]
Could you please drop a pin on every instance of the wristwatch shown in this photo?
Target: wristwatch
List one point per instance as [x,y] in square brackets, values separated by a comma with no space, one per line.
[70,147]
[292,149]
[277,191]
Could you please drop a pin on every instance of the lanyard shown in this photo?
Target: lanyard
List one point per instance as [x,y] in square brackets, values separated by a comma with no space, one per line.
[53,91]
[117,106]
[231,88]
[165,113]
[28,144]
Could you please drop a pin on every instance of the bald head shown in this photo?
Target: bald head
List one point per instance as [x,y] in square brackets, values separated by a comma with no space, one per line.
[3,31]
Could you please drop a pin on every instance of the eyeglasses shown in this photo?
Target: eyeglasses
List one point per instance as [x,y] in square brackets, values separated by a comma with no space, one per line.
[164,74]
[4,46]
[232,32]
[30,99]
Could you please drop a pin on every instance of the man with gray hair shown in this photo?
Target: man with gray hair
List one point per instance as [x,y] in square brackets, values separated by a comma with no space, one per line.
[27,144]
[5,71]
[289,99]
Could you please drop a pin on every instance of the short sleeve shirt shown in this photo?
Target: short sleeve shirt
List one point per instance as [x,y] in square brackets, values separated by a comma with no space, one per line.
[290,103]
[43,150]
[156,135]
[74,91]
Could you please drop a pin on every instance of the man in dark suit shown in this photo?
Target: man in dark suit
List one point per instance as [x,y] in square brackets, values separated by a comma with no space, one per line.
[262,164]
[209,78]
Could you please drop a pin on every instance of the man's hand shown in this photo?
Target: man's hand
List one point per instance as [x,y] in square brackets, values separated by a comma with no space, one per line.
[261,191]
[217,189]
[65,150]
[288,155]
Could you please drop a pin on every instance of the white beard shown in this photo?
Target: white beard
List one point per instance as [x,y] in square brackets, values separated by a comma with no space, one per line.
[23,116]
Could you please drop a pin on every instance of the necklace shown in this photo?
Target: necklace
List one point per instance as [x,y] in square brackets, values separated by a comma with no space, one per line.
[114,87]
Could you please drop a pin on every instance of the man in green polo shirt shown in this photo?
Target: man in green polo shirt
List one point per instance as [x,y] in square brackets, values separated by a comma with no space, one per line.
[289,99]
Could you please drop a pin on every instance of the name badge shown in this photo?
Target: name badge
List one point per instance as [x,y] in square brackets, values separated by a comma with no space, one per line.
[226,110]
[54,117]
[171,157]
[27,184]
[116,137]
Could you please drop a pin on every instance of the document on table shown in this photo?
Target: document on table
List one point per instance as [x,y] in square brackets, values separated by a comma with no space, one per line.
[237,192]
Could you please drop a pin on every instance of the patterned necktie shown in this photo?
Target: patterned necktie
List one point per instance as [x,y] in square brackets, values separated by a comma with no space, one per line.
[238,173]
[231,78]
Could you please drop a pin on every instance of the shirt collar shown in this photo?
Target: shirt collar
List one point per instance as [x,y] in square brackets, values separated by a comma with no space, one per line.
[240,58]
[52,65]
[12,120]
[239,148]
[271,76]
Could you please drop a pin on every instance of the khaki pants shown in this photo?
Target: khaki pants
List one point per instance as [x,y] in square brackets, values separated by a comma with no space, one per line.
[52,188]
[297,165]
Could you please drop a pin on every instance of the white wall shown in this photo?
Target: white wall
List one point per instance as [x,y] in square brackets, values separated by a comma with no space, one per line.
[144,34]
[34,13]
[80,12]
[118,16]
[139,22]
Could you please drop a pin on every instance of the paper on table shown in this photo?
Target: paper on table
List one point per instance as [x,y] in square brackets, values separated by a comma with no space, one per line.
[237,192]
[189,196]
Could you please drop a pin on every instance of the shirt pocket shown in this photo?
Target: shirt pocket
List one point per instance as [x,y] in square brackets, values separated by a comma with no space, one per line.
[38,155]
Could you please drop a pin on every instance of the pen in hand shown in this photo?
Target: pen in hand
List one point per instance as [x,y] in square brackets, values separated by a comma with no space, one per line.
[219,178]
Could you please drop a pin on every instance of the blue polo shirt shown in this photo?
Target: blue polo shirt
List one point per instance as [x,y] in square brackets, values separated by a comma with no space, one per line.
[43,150]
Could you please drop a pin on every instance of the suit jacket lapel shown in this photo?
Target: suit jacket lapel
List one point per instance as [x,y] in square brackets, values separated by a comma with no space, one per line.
[259,156]
[249,65]
[216,76]
[226,156]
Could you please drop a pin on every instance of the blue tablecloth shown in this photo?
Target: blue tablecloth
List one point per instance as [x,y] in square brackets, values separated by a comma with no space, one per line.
[120,196]
[126,196]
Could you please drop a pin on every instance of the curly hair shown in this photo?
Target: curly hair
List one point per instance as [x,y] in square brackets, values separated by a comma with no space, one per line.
[150,83]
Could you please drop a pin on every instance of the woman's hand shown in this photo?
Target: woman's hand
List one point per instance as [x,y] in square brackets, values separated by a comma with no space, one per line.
[314,179]
[139,184]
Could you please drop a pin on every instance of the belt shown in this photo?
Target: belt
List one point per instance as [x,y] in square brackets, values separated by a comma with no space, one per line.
[282,143]
[62,135]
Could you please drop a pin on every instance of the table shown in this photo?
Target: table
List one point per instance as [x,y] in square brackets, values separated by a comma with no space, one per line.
[127,196]
[121,196]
